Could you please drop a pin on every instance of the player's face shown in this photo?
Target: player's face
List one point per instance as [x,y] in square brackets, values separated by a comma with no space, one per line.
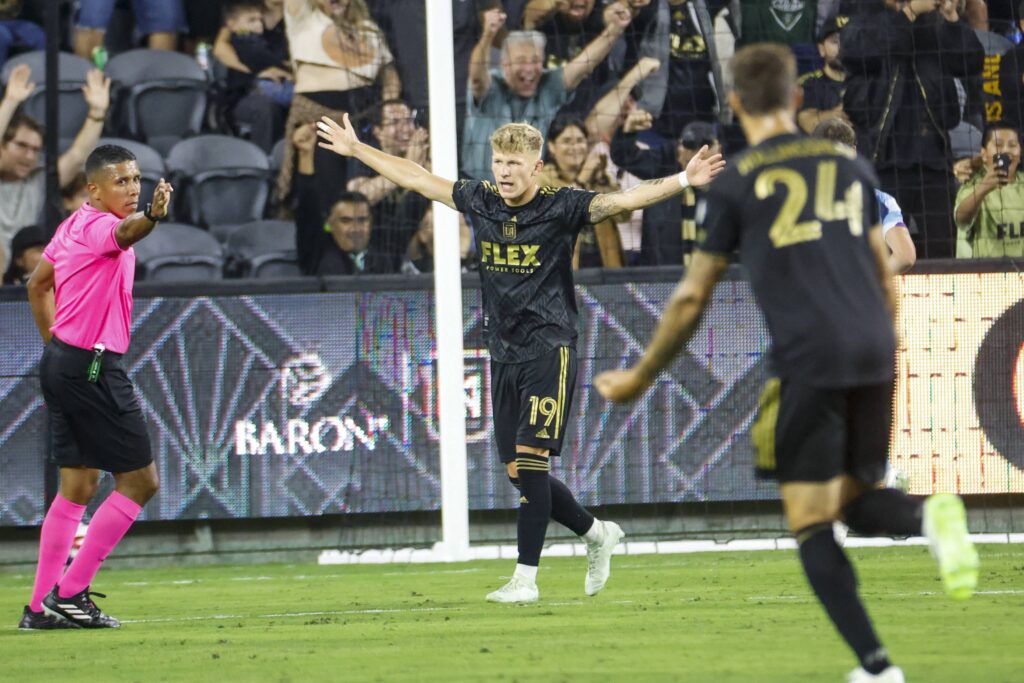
[829,51]
[522,68]
[396,129]
[569,150]
[350,226]
[516,175]
[20,156]
[115,188]
[1003,142]
[246,21]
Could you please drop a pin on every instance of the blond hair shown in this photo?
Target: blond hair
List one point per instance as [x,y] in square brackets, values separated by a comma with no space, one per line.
[517,138]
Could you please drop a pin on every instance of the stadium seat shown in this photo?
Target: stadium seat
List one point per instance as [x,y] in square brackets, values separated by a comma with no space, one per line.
[276,157]
[150,163]
[219,180]
[175,252]
[160,96]
[263,249]
[71,71]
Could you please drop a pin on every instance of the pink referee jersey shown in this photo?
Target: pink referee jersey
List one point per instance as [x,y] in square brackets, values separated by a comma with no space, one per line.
[94,279]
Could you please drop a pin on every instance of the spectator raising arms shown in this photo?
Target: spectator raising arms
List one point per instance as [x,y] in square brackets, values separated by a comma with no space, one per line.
[342,64]
[22,181]
[990,206]
[522,90]
[902,99]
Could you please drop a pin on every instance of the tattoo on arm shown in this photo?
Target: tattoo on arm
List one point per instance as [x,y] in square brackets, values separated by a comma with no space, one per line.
[657,181]
[604,206]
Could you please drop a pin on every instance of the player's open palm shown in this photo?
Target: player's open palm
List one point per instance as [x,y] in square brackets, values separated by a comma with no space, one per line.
[161,199]
[340,138]
[619,385]
[704,166]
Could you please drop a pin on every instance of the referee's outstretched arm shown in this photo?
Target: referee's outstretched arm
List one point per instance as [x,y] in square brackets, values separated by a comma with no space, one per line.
[139,224]
[341,139]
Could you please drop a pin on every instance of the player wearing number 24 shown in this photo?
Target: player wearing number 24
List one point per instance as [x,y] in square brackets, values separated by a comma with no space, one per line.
[803,215]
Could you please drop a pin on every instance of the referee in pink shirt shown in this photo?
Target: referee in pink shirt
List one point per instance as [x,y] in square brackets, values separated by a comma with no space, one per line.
[81,297]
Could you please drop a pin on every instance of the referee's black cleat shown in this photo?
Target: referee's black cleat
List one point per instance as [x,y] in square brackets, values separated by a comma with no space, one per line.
[41,621]
[79,609]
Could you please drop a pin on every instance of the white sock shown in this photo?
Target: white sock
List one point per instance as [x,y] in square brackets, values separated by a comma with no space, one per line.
[595,534]
[525,571]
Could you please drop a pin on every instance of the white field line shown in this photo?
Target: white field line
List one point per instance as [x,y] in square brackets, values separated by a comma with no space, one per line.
[510,552]
[811,598]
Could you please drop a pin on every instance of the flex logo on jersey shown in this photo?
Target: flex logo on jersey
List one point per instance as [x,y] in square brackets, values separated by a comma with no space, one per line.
[509,258]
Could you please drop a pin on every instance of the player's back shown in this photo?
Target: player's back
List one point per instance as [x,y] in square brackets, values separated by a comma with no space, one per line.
[799,210]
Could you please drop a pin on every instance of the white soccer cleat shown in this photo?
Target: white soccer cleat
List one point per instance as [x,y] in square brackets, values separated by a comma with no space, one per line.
[892,674]
[599,557]
[516,591]
[945,526]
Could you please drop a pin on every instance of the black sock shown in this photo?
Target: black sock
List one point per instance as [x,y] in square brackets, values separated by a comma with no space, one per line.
[832,577]
[567,511]
[534,506]
[884,512]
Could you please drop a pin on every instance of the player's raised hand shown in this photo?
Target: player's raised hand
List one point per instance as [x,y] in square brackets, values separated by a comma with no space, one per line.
[340,138]
[704,166]
[161,199]
[19,84]
[620,385]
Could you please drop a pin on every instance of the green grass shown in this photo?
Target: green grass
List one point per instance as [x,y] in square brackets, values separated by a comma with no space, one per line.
[704,617]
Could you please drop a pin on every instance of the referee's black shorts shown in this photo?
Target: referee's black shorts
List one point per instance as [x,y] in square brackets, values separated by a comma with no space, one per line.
[531,401]
[813,434]
[98,425]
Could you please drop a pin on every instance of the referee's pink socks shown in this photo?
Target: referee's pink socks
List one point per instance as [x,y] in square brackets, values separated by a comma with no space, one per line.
[55,540]
[109,525]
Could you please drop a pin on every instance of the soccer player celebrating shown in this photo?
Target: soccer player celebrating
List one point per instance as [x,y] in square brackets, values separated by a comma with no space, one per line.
[802,213]
[525,235]
[81,297]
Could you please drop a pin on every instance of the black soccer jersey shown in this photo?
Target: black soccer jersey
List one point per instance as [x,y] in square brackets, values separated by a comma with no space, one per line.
[799,211]
[525,257]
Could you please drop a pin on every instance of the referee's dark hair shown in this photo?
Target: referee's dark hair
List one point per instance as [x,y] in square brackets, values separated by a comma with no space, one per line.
[835,130]
[997,125]
[764,77]
[106,155]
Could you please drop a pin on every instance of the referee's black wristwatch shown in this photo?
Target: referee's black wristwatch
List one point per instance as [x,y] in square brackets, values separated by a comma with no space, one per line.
[148,213]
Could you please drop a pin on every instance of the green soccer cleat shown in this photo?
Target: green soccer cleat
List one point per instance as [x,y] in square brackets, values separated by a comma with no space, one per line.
[945,526]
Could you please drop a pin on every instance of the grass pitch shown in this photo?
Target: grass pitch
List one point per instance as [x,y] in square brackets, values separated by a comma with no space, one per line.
[705,617]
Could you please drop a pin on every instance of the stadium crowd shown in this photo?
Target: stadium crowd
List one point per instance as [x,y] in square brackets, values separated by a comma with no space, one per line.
[221,96]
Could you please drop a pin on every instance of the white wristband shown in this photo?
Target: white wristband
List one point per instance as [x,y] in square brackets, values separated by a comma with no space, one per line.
[684,182]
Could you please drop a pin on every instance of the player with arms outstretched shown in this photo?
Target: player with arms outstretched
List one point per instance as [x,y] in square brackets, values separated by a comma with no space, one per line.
[803,215]
[525,235]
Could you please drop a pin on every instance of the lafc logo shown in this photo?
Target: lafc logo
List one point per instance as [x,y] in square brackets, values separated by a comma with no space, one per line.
[509,254]
[508,229]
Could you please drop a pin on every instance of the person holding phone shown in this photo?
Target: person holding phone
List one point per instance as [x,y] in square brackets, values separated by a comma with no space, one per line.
[989,208]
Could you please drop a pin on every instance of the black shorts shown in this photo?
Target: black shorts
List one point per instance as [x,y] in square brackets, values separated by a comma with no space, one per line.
[806,433]
[531,401]
[98,425]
